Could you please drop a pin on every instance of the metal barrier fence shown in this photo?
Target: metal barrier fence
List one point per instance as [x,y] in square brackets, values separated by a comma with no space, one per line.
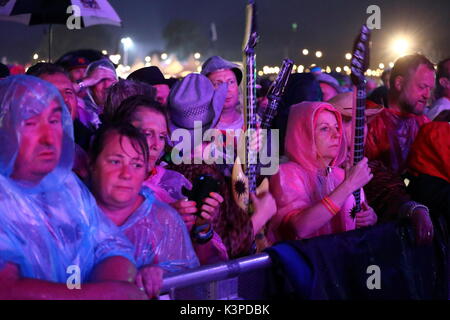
[237,279]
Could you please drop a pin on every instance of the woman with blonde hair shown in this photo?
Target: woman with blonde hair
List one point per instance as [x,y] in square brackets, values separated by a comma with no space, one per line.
[313,195]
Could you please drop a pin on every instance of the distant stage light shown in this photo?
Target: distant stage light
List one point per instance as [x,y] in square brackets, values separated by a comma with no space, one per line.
[401,46]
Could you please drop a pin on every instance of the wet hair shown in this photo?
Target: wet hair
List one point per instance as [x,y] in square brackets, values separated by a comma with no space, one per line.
[124,89]
[406,65]
[42,68]
[137,139]
[443,71]
[129,106]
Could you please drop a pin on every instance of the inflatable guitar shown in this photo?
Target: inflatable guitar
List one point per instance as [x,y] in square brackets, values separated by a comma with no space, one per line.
[244,181]
[359,65]
[241,186]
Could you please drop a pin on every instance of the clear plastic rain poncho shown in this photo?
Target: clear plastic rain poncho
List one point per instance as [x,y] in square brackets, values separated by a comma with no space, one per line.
[159,235]
[56,224]
[167,185]
[91,111]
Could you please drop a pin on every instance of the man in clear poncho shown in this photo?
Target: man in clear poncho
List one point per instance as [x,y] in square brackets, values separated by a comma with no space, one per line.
[100,76]
[50,225]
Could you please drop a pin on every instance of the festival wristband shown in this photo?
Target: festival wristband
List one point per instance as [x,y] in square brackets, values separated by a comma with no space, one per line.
[331,206]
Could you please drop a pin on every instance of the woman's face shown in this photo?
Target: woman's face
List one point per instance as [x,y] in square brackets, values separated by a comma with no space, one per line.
[327,136]
[118,172]
[153,124]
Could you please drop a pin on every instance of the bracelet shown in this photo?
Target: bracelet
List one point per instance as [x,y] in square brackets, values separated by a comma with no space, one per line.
[410,206]
[331,206]
[199,236]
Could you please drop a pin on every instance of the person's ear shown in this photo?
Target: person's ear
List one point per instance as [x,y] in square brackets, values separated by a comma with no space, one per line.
[399,83]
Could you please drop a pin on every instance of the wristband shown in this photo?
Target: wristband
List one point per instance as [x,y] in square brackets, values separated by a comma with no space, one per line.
[199,236]
[331,206]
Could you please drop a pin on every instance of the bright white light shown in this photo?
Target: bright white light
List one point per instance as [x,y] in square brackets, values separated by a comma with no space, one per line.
[260,73]
[328,69]
[104,52]
[346,69]
[381,65]
[127,43]
[391,64]
[36,56]
[348,56]
[338,69]
[305,52]
[300,69]
[197,55]
[401,46]
[319,54]
[164,56]
[115,58]
[148,59]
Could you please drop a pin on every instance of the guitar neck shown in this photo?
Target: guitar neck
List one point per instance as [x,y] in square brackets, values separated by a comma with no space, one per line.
[270,112]
[275,92]
[250,109]
[358,143]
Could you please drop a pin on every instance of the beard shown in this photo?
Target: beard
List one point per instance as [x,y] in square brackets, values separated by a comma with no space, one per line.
[409,106]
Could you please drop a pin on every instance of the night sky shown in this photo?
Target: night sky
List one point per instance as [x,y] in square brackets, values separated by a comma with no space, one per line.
[326,25]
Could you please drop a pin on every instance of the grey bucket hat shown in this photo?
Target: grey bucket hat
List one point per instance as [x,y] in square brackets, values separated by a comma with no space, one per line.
[195,99]
[216,63]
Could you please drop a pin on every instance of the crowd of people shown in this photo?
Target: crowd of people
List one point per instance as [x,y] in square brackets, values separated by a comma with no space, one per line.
[88,176]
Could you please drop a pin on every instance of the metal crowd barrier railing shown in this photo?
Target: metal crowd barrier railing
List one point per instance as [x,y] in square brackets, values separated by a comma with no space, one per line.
[218,281]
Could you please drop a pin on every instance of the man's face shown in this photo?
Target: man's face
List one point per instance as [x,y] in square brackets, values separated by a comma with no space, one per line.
[40,145]
[77,74]
[415,90]
[162,93]
[65,87]
[118,172]
[153,124]
[328,91]
[226,76]
[100,90]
